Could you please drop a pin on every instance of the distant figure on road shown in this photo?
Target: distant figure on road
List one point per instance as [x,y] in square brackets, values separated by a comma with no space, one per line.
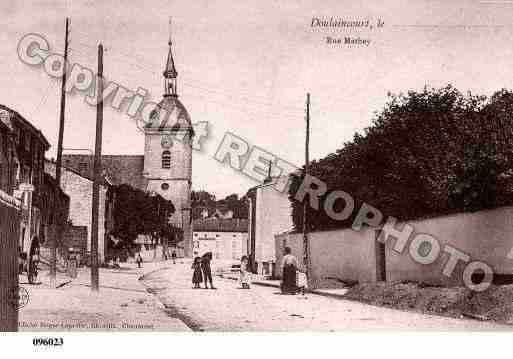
[197,278]
[72,263]
[173,256]
[207,272]
[139,260]
[244,274]
[289,267]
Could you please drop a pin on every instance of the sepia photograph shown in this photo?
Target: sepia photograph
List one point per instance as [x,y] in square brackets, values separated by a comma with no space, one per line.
[173,167]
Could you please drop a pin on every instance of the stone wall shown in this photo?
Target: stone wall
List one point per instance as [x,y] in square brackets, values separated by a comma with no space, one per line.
[80,192]
[341,254]
[346,254]
[484,236]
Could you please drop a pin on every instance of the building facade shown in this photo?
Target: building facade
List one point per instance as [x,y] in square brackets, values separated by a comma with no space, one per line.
[9,227]
[79,189]
[54,204]
[270,213]
[23,152]
[227,239]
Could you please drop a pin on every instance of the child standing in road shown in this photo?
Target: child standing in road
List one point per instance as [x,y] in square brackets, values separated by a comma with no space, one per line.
[197,277]
[244,274]
[139,260]
[302,282]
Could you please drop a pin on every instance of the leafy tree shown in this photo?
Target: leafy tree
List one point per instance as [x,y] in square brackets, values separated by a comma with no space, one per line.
[137,212]
[202,200]
[427,153]
[239,207]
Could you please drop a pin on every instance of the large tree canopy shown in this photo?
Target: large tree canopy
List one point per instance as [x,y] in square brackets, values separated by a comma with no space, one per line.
[202,200]
[427,153]
[136,212]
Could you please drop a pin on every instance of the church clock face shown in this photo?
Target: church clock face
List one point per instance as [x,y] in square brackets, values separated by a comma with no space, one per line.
[166,141]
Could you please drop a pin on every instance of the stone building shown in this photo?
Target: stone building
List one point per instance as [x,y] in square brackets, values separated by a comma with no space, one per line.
[23,150]
[227,239]
[79,189]
[54,205]
[165,167]
[270,213]
[9,226]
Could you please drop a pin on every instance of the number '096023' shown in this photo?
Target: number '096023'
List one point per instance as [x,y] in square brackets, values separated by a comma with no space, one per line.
[47,341]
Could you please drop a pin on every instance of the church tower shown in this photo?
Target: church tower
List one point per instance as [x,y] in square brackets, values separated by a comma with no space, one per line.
[168,153]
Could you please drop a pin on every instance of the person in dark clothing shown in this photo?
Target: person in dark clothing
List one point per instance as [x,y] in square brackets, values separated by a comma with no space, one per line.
[139,260]
[197,278]
[207,272]
[173,256]
[289,267]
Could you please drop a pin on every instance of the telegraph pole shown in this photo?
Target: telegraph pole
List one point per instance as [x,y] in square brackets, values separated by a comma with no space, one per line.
[95,280]
[306,244]
[58,165]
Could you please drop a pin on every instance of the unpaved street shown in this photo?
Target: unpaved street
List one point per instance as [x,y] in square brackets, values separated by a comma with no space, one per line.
[264,309]
[122,303]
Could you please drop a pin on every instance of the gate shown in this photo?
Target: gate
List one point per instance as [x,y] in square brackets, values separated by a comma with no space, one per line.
[9,228]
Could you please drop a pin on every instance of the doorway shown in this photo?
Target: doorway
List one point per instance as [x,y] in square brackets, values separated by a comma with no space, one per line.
[381,272]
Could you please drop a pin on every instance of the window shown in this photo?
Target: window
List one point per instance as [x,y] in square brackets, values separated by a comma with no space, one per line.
[27,141]
[166,159]
[234,250]
[218,249]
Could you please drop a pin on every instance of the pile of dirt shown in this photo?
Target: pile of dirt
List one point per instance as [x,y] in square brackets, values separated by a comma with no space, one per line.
[496,303]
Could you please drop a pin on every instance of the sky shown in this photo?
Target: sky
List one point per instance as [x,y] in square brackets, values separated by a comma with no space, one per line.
[246,66]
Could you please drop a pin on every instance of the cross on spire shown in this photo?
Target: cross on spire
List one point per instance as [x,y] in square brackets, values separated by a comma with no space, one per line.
[170,30]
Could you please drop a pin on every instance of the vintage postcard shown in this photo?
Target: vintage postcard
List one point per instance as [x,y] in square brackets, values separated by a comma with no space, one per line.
[255,166]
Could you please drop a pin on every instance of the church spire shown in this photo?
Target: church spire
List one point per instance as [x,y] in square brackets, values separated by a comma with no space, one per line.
[170,73]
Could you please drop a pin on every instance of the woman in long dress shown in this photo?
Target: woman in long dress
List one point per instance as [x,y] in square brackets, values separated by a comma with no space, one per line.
[289,267]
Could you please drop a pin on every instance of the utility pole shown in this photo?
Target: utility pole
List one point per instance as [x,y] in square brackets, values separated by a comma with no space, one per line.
[95,280]
[58,165]
[306,244]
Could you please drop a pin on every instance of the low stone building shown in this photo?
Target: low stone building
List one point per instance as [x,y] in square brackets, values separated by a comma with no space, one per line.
[80,189]
[227,239]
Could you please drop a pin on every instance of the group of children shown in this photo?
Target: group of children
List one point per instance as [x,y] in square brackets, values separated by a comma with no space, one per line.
[202,271]
[299,284]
